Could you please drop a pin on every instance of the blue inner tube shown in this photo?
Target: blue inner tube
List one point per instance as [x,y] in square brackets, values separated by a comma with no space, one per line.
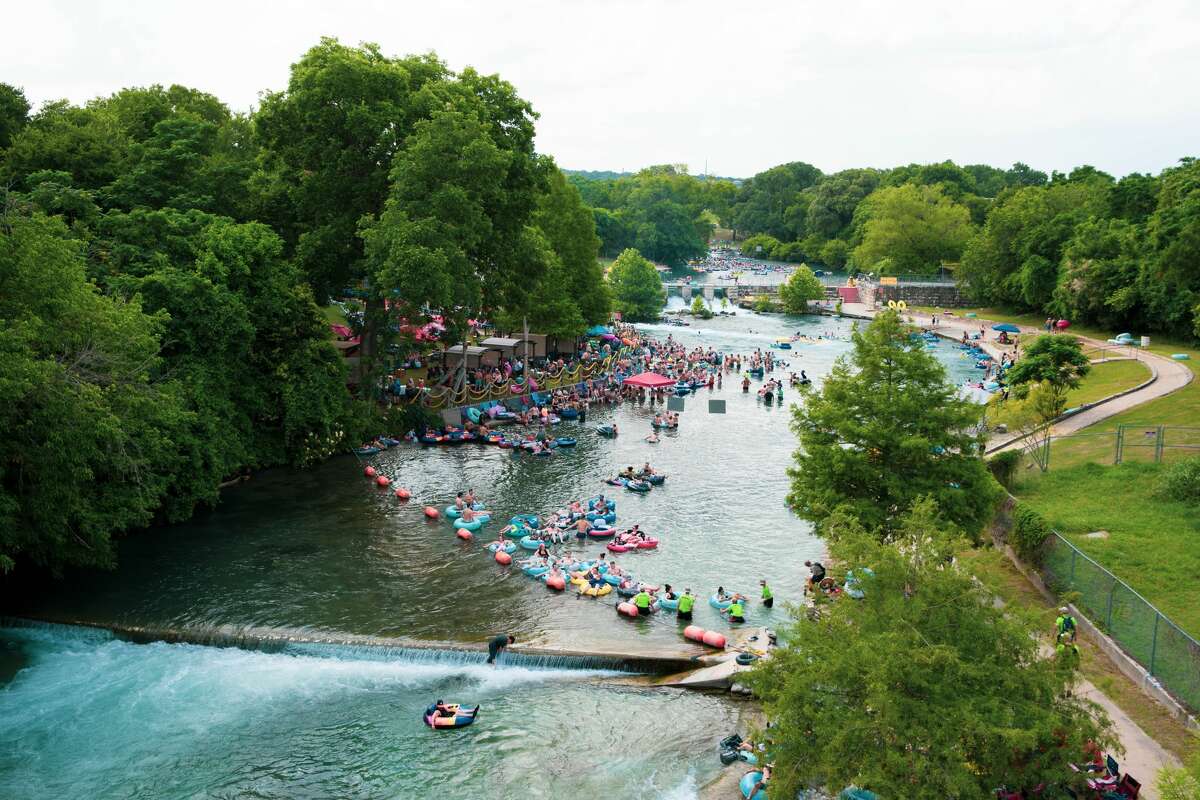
[529,543]
[366,451]
[747,783]
[612,504]
[460,720]
[719,605]
[655,480]
[637,486]
[473,414]
[669,605]
[509,547]
[565,441]
[610,517]
[628,591]
[663,426]
[568,413]
[473,525]
[605,430]
[524,519]
[534,570]
[613,579]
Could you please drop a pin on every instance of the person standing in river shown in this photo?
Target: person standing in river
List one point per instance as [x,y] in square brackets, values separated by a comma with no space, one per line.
[497,644]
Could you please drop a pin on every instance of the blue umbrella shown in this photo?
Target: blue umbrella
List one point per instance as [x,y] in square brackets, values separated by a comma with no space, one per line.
[1007,327]
[596,330]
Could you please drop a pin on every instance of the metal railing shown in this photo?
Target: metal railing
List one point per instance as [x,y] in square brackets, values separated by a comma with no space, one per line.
[1149,637]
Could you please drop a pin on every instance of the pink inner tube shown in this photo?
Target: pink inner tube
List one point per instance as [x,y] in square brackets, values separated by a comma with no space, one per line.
[617,548]
[649,544]
[628,609]
[601,533]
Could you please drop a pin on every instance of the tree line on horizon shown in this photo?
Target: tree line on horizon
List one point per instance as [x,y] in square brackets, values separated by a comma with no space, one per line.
[1081,245]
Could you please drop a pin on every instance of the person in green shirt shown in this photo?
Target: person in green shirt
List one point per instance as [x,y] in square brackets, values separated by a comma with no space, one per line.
[686,601]
[737,609]
[642,601]
[768,599]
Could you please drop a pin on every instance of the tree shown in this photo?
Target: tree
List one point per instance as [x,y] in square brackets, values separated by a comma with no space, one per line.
[1054,358]
[834,200]
[760,246]
[90,434]
[14,113]
[86,143]
[800,287]
[950,694]
[636,287]
[570,230]
[328,142]
[700,308]
[885,428]
[769,202]
[917,227]
[834,253]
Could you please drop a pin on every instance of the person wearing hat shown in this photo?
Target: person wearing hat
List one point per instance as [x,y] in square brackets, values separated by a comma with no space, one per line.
[768,599]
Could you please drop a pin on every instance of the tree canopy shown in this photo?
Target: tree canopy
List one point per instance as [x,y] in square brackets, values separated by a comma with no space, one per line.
[885,428]
[637,289]
[1055,358]
[800,287]
[914,228]
[950,694]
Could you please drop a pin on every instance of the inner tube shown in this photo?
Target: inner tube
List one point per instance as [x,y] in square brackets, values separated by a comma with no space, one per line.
[601,533]
[591,501]
[719,604]
[473,525]
[592,591]
[509,547]
[627,591]
[610,517]
[461,719]
[668,604]
[535,570]
[473,414]
[747,785]
[618,548]
[565,441]
[663,426]
[366,451]
[605,430]
[654,480]
[746,658]
[637,486]
[568,413]
[529,543]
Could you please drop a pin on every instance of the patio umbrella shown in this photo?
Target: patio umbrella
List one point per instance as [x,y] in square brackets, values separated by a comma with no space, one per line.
[1007,327]
[1062,324]
[596,330]
[650,380]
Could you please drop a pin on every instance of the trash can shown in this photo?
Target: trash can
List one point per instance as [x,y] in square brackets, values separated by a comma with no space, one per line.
[1145,341]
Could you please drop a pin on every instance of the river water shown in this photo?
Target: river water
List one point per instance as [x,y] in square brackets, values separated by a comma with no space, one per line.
[325,554]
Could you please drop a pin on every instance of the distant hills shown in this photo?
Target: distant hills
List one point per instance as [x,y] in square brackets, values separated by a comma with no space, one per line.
[609,175]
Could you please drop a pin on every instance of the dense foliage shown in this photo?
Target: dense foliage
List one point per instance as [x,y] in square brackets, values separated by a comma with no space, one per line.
[661,211]
[1083,245]
[800,287]
[1057,359]
[162,263]
[637,289]
[945,690]
[885,428]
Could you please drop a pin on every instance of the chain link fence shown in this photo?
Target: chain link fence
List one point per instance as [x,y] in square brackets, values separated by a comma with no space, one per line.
[1156,444]
[1170,655]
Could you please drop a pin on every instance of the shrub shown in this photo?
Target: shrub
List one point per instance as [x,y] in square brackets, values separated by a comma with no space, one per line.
[763,305]
[1004,467]
[788,251]
[1181,481]
[1029,530]
[768,243]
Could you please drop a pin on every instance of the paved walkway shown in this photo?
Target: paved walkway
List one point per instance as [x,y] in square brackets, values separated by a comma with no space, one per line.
[1170,375]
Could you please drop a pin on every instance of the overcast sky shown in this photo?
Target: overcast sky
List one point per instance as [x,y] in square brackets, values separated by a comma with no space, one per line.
[741,85]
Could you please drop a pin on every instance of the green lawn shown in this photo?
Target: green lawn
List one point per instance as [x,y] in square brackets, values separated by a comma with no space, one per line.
[1103,380]
[1153,543]
[334,315]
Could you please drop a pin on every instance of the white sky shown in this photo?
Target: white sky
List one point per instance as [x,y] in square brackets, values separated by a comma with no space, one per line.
[744,85]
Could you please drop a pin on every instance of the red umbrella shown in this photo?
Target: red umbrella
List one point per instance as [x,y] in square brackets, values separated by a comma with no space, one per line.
[651,380]
[1062,324]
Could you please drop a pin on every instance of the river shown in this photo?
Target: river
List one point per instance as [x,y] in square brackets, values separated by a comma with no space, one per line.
[324,554]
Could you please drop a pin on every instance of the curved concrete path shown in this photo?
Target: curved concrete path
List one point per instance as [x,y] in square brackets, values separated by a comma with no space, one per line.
[1169,375]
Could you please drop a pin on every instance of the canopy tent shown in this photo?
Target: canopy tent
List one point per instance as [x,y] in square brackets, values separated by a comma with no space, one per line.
[473,355]
[1006,327]
[509,346]
[650,380]
[597,330]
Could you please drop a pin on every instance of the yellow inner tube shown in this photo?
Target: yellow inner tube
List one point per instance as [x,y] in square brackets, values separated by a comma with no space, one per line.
[592,591]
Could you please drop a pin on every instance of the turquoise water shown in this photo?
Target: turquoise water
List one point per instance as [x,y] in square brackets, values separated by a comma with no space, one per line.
[323,554]
[91,717]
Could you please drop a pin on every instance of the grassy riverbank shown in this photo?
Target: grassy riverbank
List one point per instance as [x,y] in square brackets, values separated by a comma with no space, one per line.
[999,574]
[1105,379]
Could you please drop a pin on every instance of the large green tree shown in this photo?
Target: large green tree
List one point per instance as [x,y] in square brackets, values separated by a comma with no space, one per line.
[14,113]
[1056,358]
[329,140]
[800,287]
[636,287]
[924,688]
[916,228]
[570,230]
[90,433]
[885,428]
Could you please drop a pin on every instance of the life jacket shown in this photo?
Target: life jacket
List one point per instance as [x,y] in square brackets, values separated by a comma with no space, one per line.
[686,602]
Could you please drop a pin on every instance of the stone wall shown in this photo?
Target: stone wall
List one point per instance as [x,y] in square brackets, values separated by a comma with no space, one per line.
[922,294]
